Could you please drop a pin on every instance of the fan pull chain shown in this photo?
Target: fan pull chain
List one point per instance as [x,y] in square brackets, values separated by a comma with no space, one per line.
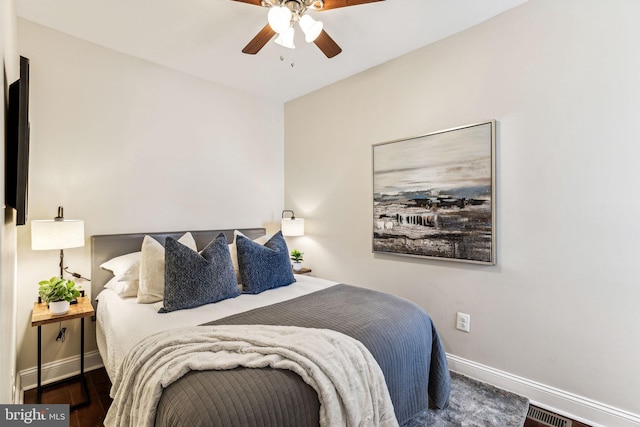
[282,57]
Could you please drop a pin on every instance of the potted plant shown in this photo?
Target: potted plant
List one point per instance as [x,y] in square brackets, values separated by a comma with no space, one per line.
[296,257]
[58,292]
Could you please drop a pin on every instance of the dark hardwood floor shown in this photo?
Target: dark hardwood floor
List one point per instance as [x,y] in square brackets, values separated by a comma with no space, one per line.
[90,415]
[98,384]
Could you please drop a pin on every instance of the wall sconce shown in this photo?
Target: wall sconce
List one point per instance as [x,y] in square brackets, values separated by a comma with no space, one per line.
[292,226]
[58,233]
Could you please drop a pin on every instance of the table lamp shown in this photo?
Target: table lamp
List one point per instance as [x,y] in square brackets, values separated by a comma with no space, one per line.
[291,226]
[57,233]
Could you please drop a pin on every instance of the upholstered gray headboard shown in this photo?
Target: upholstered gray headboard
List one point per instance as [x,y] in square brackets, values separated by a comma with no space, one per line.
[107,246]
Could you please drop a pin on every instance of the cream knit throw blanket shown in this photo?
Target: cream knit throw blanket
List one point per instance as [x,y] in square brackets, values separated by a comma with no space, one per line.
[350,384]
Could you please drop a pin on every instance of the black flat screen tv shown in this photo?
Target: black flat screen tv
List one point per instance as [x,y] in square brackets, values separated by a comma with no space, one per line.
[17,145]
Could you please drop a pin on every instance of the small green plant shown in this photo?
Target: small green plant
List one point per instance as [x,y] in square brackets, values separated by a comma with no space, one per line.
[58,289]
[296,256]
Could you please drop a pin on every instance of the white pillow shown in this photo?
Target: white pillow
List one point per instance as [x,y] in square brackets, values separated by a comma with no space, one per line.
[124,289]
[120,265]
[234,252]
[151,285]
[133,273]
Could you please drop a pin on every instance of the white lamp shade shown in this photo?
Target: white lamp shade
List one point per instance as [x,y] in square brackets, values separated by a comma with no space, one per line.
[292,227]
[279,18]
[285,39]
[52,234]
[311,28]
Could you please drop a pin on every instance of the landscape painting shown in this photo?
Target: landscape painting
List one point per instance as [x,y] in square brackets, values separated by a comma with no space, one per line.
[434,195]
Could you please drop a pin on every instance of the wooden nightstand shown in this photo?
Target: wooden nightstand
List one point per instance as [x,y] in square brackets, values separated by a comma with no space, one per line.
[303,270]
[41,316]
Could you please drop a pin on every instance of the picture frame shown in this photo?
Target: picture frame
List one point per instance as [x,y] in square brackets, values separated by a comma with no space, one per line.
[434,195]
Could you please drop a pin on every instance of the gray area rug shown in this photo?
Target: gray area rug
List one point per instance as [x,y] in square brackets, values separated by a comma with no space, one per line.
[474,403]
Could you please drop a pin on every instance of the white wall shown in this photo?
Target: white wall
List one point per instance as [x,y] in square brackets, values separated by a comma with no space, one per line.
[129,146]
[561,78]
[9,72]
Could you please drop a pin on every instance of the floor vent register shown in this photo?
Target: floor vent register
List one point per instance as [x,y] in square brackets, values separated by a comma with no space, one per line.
[547,418]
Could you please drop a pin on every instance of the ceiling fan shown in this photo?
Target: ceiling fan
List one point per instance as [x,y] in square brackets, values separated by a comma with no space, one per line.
[284,13]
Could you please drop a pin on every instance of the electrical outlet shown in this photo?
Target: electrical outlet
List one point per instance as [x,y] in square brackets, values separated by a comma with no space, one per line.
[463,322]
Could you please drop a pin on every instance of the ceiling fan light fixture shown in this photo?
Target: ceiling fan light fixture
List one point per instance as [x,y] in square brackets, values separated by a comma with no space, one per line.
[285,13]
[285,38]
[279,18]
[310,27]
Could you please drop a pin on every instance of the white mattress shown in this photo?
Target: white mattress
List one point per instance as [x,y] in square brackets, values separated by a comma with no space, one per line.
[121,322]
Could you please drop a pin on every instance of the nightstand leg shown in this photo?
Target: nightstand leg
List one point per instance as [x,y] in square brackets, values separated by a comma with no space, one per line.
[82,346]
[85,390]
[39,393]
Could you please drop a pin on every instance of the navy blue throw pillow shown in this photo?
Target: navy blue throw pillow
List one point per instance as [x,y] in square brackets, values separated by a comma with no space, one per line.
[192,279]
[263,267]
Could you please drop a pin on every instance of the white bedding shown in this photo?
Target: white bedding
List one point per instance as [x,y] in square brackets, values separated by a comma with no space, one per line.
[122,322]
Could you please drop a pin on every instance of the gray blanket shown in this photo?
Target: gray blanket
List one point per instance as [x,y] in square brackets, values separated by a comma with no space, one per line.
[398,333]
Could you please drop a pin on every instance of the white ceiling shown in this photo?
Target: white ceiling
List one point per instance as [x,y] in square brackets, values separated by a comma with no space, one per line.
[204,38]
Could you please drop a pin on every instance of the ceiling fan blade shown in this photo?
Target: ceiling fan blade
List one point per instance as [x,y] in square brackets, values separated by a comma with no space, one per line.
[256,2]
[334,4]
[326,44]
[258,42]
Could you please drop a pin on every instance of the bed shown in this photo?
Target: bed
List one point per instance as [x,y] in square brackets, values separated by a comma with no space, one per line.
[398,334]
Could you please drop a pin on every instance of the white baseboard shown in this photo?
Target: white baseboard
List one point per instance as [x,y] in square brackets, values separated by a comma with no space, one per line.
[562,402]
[57,370]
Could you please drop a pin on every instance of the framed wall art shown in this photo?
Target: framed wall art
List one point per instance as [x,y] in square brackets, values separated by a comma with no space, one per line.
[434,195]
